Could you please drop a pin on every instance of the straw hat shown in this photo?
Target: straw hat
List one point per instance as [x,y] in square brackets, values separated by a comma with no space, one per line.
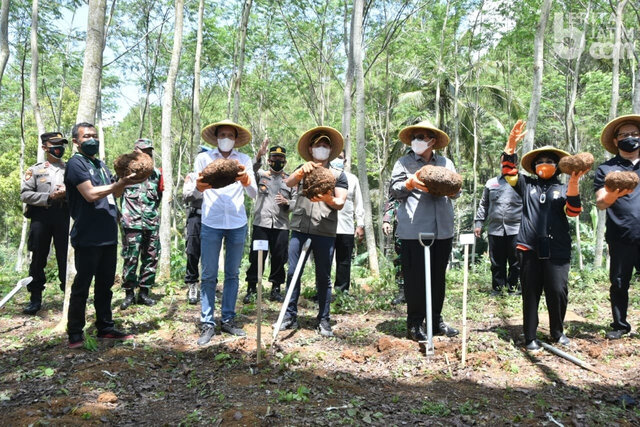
[310,136]
[609,131]
[442,139]
[527,159]
[209,133]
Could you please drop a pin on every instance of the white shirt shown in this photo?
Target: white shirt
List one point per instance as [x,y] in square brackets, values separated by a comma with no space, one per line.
[223,208]
[352,205]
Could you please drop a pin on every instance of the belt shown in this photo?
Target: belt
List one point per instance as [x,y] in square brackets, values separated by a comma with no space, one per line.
[196,211]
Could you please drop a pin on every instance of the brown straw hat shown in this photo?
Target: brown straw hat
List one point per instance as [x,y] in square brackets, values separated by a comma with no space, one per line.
[611,128]
[312,135]
[527,159]
[209,133]
[442,139]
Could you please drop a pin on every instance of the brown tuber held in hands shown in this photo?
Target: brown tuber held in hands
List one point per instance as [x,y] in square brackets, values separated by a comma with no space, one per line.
[620,180]
[221,172]
[578,163]
[134,162]
[439,180]
[319,181]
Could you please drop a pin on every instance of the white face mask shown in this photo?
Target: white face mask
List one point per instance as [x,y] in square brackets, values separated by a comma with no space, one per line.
[419,146]
[337,163]
[226,144]
[321,153]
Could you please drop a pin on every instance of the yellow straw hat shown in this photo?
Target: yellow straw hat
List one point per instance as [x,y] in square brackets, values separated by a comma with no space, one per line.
[611,128]
[310,136]
[442,139]
[527,159]
[209,133]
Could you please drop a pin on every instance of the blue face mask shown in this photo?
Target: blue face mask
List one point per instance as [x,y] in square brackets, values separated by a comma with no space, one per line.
[90,147]
[337,163]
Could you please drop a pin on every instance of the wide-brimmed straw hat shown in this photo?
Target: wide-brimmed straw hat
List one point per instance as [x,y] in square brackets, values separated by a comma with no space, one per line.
[442,139]
[312,135]
[611,128]
[527,159]
[209,133]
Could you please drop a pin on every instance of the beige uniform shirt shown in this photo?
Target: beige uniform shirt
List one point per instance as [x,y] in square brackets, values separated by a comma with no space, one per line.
[40,180]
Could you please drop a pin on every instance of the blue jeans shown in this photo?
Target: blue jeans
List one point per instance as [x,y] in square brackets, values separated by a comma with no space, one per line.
[322,248]
[210,244]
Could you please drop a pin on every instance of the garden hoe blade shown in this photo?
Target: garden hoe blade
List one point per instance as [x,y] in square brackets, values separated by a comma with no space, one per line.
[294,279]
[20,284]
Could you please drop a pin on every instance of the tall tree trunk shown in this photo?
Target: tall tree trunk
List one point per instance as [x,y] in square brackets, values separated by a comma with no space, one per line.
[196,85]
[636,90]
[23,233]
[536,93]
[347,100]
[33,85]
[242,38]
[439,67]
[356,35]
[613,112]
[92,69]
[4,37]
[167,165]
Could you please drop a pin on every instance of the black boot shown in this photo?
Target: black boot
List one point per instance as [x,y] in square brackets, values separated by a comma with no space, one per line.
[275,294]
[144,298]
[251,291]
[35,303]
[193,293]
[415,332]
[129,298]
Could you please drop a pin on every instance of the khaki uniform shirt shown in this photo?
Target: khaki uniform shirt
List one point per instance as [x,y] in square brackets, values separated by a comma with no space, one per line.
[40,180]
[267,212]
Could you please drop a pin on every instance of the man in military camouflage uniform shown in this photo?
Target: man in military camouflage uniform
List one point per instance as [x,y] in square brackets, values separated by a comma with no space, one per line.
[140,222]
[43,191]
[271,219]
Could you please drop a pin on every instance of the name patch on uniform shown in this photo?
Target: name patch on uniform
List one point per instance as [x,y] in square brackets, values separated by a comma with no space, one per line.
[533,191]
[28,175]
[556,194]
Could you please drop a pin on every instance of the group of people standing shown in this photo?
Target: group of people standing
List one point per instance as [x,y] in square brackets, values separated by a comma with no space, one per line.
[527,219]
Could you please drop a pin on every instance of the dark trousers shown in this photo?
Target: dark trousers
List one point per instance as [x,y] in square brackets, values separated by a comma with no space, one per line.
[47,224]
[192,249]
[552,276]
[322,248]
[502,250]
[278,246]
[413,266]
[344,256]
[623,258]
[97,262]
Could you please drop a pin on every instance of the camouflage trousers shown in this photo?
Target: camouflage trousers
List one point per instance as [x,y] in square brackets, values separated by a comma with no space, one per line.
[143,244]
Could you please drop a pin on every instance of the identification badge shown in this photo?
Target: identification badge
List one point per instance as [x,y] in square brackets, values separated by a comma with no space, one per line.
[111,199]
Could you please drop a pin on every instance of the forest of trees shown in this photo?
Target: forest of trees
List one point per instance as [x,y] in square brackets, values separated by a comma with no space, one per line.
[163,70]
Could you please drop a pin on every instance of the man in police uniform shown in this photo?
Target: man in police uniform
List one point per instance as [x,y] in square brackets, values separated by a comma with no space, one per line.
[193,198]
[43,191]
[271,219]
[140,222]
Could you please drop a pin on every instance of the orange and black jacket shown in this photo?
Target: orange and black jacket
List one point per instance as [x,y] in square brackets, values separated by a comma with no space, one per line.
[545,207]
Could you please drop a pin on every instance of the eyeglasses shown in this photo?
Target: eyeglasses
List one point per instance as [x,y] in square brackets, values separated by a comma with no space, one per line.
[423,137]
[545,162]
[628,134]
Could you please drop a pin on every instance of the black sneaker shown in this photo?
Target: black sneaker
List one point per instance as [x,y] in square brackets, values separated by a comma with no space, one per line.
[207,331]
[129,299]
[399,299]
[533,345]
[76,341]
[289,323]
[444,329]
[275,294]
[250,296]
[192,293]
[416,333]
[563,340]
[230,327]
[32,308]
[144,298]
[114,334]
[616,334]
[324,328]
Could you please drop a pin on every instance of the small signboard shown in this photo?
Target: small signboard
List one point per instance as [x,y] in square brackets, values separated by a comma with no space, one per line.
[467,239]
[263,245]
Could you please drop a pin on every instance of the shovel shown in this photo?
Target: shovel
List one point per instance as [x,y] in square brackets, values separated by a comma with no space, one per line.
[426,240]
[16,288]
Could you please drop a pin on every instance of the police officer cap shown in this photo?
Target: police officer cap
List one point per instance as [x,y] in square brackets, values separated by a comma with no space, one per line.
[53,137]
[277,149]
[143,143]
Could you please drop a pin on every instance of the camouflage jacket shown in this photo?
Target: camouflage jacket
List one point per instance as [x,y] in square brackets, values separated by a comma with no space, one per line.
[140,203]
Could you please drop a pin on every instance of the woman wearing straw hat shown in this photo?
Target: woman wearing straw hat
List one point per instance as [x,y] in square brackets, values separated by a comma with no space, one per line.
[223,217]
[544,240]
[420,212]
[621,138]
[315,219]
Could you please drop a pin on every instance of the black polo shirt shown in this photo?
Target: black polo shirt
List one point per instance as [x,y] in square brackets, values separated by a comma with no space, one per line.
[623,216]
[95,224]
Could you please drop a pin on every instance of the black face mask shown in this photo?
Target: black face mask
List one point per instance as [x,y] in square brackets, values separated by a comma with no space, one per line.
[629,144]
[277,165]
[56,151]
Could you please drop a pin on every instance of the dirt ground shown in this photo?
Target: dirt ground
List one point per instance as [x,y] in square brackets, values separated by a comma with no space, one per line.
[367,374]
